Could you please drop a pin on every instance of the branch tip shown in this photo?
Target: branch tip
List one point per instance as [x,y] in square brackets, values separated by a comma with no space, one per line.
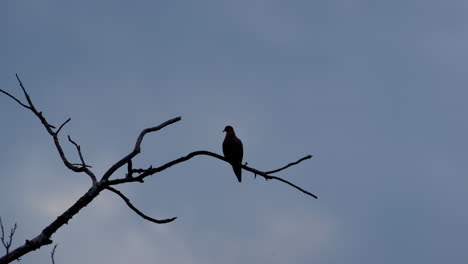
[138,212]
[60,128]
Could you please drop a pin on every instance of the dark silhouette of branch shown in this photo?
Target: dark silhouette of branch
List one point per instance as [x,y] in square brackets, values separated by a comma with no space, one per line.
[49,128]
[64,123]
[83,163]
[7,241]
[44,237]
[137,148]
[129,169]
[127,201]
[148,172]
[52,254]
[14,98]
[290,164]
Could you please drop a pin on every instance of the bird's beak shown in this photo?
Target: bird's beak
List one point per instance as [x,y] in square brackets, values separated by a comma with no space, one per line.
[224,130]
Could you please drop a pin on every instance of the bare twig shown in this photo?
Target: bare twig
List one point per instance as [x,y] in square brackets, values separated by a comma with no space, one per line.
[291,184]
[47,126]
[83,163]
[127,201]
[64,123]
[289,165]
[26,95]
[14,98]
[151,171]
[52,254]
[7,241]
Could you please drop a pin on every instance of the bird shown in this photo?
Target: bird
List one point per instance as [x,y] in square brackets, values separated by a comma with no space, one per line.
[233,151]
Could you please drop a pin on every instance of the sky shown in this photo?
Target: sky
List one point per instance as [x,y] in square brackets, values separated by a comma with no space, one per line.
[375,90]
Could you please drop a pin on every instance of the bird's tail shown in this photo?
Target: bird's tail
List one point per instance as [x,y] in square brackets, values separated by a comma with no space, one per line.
[238,171]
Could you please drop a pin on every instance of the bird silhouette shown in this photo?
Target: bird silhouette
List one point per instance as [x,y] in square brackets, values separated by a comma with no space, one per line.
[233,151]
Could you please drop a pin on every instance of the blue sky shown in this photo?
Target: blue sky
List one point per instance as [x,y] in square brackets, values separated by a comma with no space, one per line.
[375,90]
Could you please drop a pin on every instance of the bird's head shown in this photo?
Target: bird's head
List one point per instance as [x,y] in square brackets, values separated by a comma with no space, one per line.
[228,129]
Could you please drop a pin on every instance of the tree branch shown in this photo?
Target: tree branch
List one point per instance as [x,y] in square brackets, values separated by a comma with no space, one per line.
[290,164]
[127,201]
[60,128]
[49,128]
[151,171]
[7,241]
[52,254]
[129,169]
[136,150]
[83,164]
[14,98]
[44,237]
[26,95]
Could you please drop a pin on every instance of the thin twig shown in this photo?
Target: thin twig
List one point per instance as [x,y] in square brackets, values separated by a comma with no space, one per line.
[7,241]
[49,128]
[14,98]
[78,148]
[72,166]
[127,201]
[64,123]
[52,254]
[83,163]
[292,184]
[290,164]
[25,93]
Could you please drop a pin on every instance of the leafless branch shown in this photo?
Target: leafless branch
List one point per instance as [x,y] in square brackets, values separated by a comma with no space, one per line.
[136,150]
[49,128]
[127,201]
[83,163]
[290,164]
[52,254]
[44,237]
[7,241]
[60,128]
[14,98]
[151,171]
[26,95]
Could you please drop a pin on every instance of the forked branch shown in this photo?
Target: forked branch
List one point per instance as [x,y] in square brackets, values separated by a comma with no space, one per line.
[83,163]
[7,239]
[49,128]
[136,150]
